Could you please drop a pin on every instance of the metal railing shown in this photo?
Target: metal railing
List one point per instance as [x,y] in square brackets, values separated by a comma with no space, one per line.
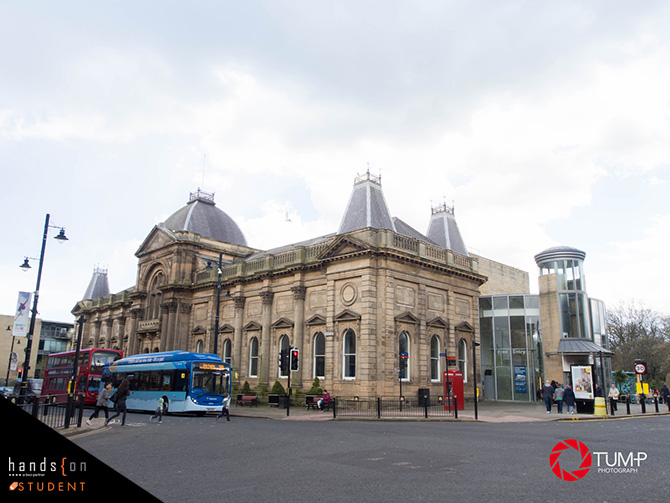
[54,415]
[389,407]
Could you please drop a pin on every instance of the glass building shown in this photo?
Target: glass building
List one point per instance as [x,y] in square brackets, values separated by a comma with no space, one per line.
[511,347]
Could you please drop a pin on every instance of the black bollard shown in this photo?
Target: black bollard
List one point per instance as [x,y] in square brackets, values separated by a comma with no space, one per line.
[643,400]
[656,403]
[628,405]
[612,405]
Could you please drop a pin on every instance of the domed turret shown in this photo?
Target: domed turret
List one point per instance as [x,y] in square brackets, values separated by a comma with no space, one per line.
[201,216]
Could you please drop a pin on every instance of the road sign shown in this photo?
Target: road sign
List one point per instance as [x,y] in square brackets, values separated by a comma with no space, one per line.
[641,368]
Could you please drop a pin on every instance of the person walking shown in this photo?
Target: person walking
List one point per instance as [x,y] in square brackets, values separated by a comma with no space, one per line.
[159,411]
[613,395]
[548,395]
[558,396]
[101,403]
[226,407]
[665,393]
[598,391]
[569,400]
[119,399]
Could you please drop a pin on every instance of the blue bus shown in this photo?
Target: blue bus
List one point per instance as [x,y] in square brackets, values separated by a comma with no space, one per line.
[188,382]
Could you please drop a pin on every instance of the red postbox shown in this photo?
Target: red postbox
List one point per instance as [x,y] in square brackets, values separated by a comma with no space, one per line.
[453,380]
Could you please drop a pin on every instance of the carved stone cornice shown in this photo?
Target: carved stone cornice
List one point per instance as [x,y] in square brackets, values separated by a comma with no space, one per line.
[267,297]
[239,301]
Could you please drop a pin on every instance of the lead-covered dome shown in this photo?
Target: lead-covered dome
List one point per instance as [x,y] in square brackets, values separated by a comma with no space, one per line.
[201,216]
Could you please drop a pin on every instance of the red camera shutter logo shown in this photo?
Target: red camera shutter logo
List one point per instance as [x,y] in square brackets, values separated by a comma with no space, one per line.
[559,449]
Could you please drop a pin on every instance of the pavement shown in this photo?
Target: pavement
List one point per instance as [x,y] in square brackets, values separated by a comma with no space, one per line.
[488,412]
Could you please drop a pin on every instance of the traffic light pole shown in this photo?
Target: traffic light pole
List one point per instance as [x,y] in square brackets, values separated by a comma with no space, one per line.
[288,396]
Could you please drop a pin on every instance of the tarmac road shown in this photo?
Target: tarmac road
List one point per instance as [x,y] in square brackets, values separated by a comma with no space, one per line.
[267,460]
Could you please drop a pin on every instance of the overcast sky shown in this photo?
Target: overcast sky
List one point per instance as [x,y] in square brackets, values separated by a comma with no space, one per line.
[546,123]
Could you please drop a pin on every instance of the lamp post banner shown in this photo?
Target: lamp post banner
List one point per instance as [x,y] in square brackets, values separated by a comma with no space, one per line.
[22,316]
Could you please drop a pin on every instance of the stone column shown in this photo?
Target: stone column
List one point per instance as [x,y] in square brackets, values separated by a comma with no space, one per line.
[264,377]
[108,333]
[172,319]
[135,317]
[299,331]
[165,316]
[238,335]
[96,333]
[121,328]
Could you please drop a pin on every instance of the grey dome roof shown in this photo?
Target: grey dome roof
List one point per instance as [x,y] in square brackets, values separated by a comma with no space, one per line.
[443,230]
[201,216]
[559,253]
[99,286]
[367,207]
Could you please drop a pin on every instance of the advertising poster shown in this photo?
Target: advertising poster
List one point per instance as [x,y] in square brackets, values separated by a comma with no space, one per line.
[22,317]
[520,383]
[582,381]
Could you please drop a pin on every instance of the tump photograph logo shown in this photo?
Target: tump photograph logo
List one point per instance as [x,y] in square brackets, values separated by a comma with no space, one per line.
[562,447]
[606,462]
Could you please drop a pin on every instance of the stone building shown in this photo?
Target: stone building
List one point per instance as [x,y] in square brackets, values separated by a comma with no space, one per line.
[351,301]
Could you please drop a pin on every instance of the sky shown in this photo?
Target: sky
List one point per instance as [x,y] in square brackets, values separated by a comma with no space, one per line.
[543,123]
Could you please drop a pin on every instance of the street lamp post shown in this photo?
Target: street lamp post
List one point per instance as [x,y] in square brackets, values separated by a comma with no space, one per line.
[26,363]
[474,374]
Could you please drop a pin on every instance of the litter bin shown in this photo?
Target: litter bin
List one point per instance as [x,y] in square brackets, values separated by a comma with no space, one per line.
[424,397]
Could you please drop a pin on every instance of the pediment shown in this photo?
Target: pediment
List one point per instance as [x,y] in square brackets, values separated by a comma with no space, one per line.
[282,323]
[347,315]
[317,319]
[344,245]
[252,326]
[158,238]
[406,317]
[199,330]
[227,329]
[465,327]
[438,322]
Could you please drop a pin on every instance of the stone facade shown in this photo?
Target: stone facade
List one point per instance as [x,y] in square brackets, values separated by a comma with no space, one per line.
[372,283]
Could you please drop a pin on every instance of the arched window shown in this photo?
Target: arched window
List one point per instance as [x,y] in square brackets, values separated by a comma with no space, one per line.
[155,296]
[349,353]
[319,355]
[463,358]
[253,357]
[284,344]
[199,346]
[435,358]
[227,351]
[403,349]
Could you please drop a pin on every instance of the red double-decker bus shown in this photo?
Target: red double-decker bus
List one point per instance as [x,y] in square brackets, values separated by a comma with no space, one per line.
[59,367]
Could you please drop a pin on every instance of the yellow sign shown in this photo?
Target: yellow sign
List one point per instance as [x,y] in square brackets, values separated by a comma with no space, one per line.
[641,387]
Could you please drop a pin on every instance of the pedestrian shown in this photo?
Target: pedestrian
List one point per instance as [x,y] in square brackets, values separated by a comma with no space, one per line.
[159,410]
[548,395]
[101,403]
[324,401]
[226,407]
[599,391]
[613,395]
[665,393]
[558,396]
[119,399]
[569,399]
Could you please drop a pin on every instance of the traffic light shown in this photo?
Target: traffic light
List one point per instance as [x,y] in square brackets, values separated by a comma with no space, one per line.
[295,359]
[283,360]
[20,375]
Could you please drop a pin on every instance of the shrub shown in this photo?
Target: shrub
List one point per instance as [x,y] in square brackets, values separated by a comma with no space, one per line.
[316,388]
[278,388]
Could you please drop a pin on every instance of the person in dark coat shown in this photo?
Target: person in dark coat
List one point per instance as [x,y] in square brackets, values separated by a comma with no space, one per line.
[548,395]
[569,399]
[120,402]
[599,391]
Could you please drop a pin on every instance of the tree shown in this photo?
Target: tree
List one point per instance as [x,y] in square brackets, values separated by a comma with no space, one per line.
[636,332]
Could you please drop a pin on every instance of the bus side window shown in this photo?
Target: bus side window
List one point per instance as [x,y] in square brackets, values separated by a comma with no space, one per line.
[181,380]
